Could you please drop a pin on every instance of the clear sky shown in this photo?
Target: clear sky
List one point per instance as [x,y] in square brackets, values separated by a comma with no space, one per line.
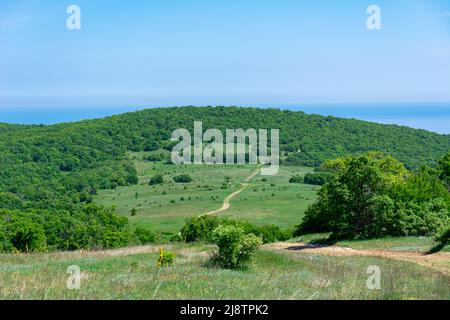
[179,52]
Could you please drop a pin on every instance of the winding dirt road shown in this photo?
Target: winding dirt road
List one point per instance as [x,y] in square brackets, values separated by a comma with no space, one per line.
[226,202]
[437,261]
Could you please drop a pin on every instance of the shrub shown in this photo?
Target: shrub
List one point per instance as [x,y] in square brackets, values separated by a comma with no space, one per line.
[133,212]
[444,237]
[152,146]
[165,258]
[19,232]
[114,238]
[296,179]
[158,155]
[176,238]
[318,178]
[182,178]
[235,247]
[144,236]
[156,179]
[271,233]
[200,228]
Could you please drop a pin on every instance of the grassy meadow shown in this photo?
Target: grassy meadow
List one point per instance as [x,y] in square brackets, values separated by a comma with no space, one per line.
[165,207]
[118,274]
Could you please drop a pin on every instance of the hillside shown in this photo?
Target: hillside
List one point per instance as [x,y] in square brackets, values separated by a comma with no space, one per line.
[40,161]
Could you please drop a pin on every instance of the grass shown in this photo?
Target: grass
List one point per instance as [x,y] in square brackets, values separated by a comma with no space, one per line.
[272,275]
[416,244]
[164,208]
[273,200]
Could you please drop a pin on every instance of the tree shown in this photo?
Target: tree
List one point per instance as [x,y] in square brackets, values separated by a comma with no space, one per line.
[444,170]
[156,179]
[375,196]
[182,178]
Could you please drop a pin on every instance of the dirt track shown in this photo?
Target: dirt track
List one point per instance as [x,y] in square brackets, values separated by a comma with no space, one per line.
[226,202]
[438,261]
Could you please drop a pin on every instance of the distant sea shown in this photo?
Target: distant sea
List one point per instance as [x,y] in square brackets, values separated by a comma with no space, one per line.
[431,117]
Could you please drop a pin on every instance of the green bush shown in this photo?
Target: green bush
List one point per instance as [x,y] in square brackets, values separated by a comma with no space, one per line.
[271,233]
[144,236]
[165,258]
[444,237]
[18,232]
[182,178]
[235,247]
[296,179]
[200,228]
[317,178]
[156,179]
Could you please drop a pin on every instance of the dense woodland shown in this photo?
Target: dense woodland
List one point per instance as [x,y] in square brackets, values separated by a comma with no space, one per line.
[373,196]
[50,173]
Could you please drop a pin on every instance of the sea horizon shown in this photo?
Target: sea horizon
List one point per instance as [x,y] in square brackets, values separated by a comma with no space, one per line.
[433,117]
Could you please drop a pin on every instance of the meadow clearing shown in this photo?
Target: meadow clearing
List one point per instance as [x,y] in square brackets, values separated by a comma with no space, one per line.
[165,207]
[131,273]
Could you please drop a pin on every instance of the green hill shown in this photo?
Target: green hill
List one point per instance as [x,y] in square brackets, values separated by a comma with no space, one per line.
[39,161]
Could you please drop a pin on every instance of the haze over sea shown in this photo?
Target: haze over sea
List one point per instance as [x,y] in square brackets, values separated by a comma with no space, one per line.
[431,117]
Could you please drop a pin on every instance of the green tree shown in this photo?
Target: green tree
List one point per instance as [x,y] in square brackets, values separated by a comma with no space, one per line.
[156,179]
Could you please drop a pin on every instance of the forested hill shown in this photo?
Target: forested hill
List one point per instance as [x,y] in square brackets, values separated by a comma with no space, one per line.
[92,153]
[319,138]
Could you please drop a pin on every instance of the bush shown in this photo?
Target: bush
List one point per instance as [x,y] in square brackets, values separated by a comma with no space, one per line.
[182,178]
[165,258]
[444,238]
[318,178]
[235,247]
[156,179]
[200,228]
[20,233]
[176,238]
[296,179]
[271,233]
[144,236]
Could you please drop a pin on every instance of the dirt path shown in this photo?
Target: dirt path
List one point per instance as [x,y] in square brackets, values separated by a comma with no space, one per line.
[226,202]
[437,261]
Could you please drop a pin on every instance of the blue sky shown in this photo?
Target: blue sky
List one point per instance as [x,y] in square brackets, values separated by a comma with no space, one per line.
[199,52]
